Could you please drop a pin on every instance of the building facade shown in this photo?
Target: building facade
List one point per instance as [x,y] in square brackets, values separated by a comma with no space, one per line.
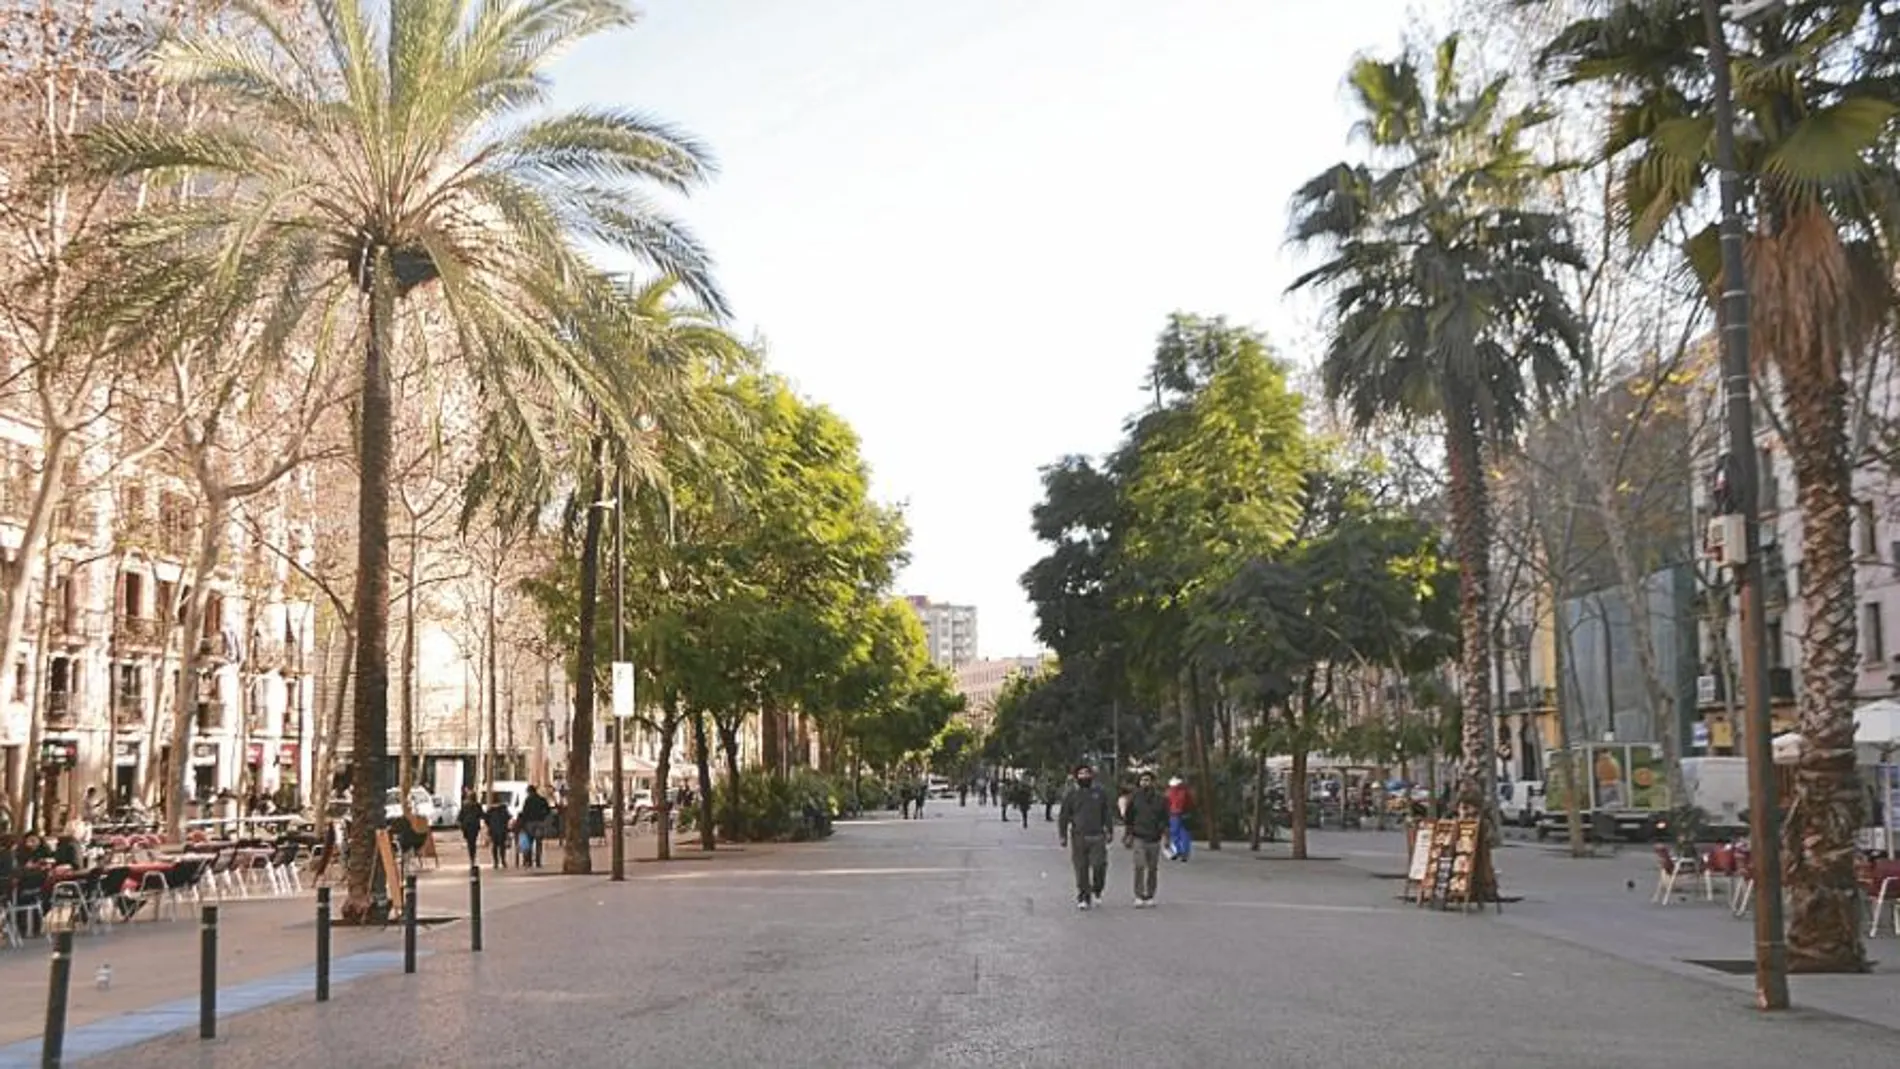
[949,630]
[981,681]
[90,697]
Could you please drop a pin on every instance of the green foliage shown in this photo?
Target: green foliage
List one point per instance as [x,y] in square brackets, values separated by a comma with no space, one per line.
[771,808]
[954,752]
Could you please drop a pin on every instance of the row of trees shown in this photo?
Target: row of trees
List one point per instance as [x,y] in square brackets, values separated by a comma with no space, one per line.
[1505,250]
[357,225]
[1227,586]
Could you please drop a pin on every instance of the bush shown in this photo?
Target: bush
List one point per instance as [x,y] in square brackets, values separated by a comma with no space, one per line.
[776,809]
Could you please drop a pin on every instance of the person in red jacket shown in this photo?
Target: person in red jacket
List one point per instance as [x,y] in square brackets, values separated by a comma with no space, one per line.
[1180,803]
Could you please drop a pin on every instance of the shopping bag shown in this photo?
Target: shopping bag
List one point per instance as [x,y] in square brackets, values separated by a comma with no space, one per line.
[1167,848]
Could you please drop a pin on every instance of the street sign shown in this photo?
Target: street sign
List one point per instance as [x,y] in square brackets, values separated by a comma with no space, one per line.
[623,689]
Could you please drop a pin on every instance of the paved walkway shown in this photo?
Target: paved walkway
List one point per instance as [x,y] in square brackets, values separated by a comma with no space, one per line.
[267,946]
[952,941]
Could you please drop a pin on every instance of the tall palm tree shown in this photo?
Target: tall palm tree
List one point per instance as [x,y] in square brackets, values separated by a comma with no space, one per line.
[394,146]
[667,360]
[1443,302]
[1815,94]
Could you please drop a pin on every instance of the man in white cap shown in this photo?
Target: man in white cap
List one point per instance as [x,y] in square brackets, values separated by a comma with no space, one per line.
[1180,804]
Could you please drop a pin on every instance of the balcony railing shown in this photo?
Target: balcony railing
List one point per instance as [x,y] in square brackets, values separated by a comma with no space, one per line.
[60,711]
[267,655]
[135,631]
[129,709]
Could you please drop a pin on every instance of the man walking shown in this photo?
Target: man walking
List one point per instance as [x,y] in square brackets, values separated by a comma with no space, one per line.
[1086,822]
[1180,803]
[1144,823]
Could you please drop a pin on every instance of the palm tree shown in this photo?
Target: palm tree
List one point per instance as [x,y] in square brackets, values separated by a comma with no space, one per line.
[1815,97]
[668,360]
[1443,303]
[387,162]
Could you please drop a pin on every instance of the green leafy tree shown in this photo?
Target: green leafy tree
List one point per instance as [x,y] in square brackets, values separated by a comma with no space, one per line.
[1359,589]
[1213,477]
[390,160]
[1443,302]
[1816,99]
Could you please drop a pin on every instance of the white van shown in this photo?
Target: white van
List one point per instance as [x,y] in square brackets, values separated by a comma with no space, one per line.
[1719,787]
[511,792]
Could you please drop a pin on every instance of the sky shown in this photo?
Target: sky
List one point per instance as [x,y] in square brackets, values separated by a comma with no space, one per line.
[961,225]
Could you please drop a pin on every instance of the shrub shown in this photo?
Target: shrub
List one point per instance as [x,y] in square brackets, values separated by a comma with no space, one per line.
[776,808]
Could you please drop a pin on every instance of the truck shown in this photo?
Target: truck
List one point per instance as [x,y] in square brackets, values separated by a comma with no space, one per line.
[1625,795]
[1718,786]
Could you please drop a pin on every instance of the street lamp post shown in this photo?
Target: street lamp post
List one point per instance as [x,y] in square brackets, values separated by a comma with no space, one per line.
[622,681]
[1771,953]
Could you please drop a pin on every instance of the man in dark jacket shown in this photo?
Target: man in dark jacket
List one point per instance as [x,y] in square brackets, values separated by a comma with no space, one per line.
[535,814]
[1144,823]
[1086,822]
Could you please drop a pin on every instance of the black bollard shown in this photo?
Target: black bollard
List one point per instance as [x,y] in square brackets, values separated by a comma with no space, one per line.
[53,1046]
[208,974]
[409,924]
[475,908]
[323,944]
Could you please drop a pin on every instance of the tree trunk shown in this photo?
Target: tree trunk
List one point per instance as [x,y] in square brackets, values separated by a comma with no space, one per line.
[1296,794]
[369,721]
[772,739]
[663,775]
[577,854]
[1260,813]
[703,759]
[494,685]
[1823,906]
[210,545]
[38,527]
[1471,532]
[729,742]
[324,768]
[1210,798]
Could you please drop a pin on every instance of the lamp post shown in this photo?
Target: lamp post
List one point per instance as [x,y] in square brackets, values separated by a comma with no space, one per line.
[622,680]
[1771,952]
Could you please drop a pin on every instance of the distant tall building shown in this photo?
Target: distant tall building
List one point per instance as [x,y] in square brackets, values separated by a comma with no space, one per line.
[950,630]
[981,681]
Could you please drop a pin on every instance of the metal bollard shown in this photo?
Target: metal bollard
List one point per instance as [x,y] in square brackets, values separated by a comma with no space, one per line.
[208,974]
[475,908]
[323,944]
[53,1046]
[409,924]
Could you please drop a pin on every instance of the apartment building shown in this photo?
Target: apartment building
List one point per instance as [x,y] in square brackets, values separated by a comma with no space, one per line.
[89,698]
[981,681]
[949,630]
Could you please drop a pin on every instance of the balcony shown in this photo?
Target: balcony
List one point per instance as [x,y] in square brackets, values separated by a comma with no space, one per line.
[61,710]
[135,633]
[73,630]
[268,655]
[128,709]
[210,716]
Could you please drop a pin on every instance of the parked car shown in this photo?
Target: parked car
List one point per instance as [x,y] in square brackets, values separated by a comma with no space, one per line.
[419,802]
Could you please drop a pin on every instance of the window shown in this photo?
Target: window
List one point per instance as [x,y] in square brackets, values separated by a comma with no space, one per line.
[19,681]
[131,595]
[1768,494]
[1777,651]
[1873,643]
[1865,532]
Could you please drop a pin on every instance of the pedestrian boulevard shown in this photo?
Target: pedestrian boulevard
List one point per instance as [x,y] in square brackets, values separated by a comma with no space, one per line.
[953,941]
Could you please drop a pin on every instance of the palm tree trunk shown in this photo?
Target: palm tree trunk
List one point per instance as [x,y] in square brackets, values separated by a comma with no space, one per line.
[1471,532]
[1823,906]
[369,719]
[577,853]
